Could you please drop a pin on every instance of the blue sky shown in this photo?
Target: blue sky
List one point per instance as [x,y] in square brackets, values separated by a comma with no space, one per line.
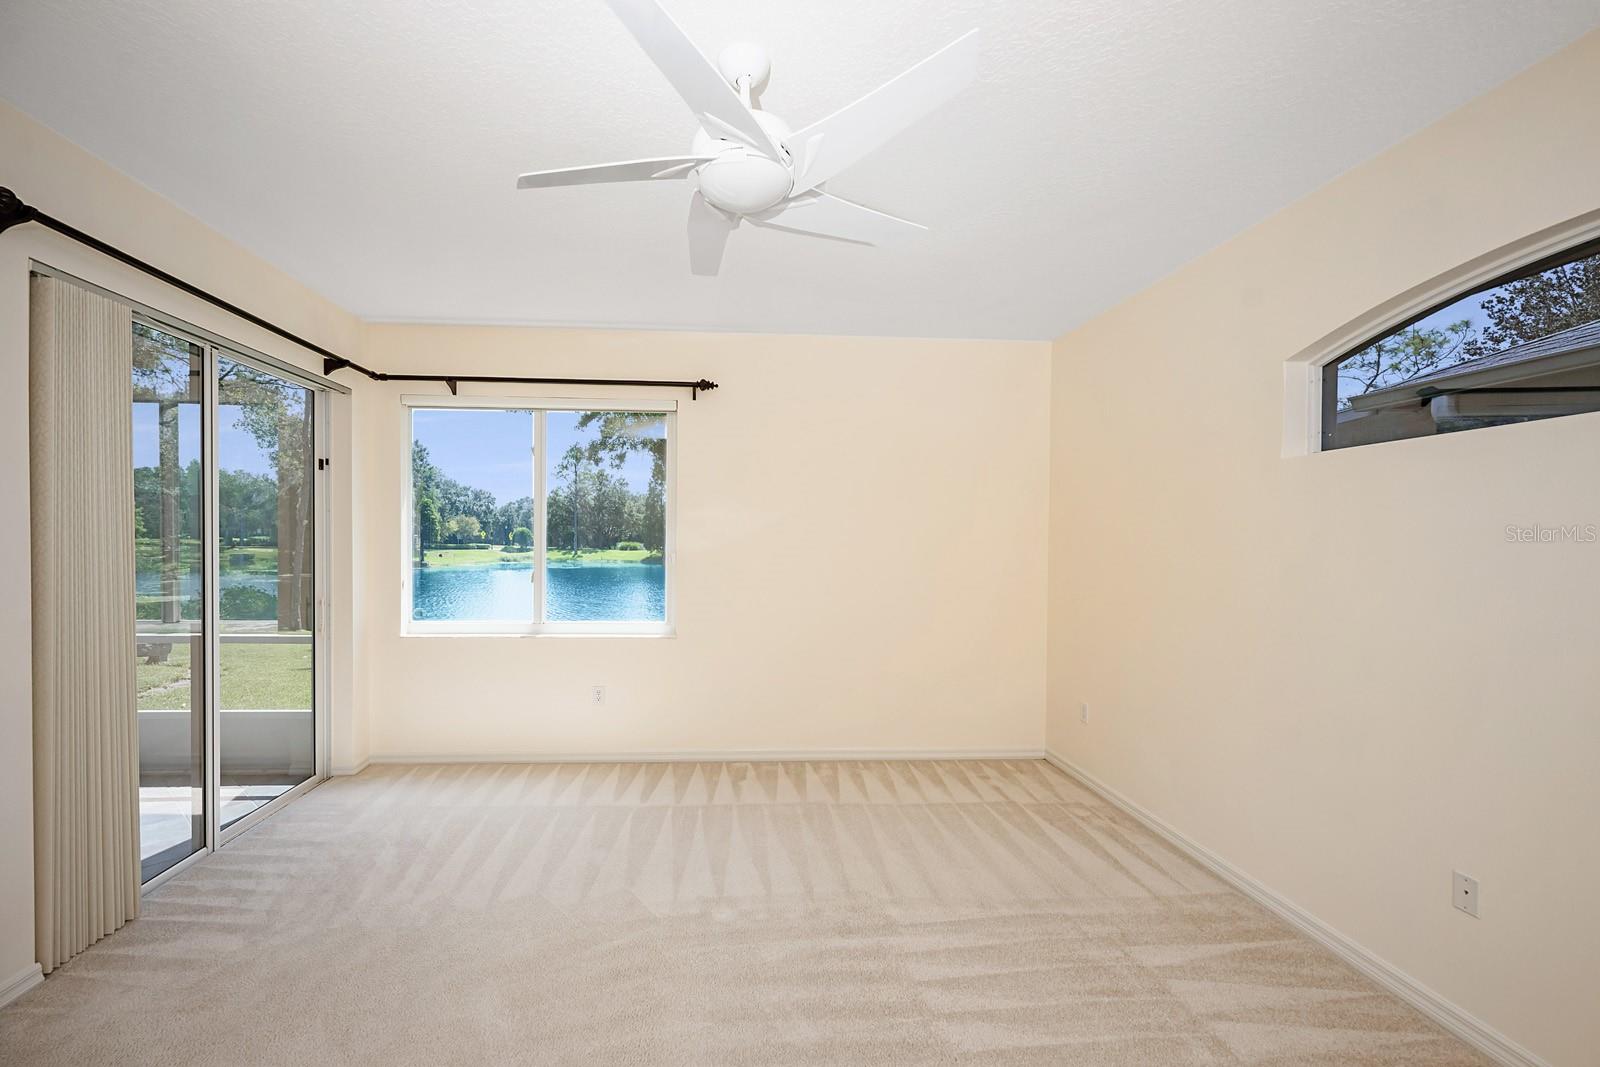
[1470,309]
[237,449]
[492,449]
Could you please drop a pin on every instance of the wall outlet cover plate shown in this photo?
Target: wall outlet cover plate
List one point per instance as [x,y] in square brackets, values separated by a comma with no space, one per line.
[1464,893]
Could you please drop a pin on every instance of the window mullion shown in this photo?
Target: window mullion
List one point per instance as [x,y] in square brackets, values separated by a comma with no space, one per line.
[540,521]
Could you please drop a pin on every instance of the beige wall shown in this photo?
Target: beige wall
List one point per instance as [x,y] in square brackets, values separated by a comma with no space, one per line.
[860,536]
[66,182]
[1333,670]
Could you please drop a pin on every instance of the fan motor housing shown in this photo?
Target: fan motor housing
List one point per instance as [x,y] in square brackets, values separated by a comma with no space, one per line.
[741,180]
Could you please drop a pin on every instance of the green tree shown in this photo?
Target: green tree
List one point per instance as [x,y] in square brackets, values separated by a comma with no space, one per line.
[427,522]
[1540,305]
[564,522]
[248,506]
[522,537]
[277,414]
[653,520]
[619,434]
[167,372]
[1399,358]
[453,498]
[1517,312]
[463,530]
[424,475]
[508,517]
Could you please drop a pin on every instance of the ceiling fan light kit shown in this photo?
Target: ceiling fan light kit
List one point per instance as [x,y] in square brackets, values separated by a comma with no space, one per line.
[748,165]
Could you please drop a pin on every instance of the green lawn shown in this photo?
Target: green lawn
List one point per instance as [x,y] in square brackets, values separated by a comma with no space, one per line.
[601,555]
[467,557]
[249,560]
[251,676]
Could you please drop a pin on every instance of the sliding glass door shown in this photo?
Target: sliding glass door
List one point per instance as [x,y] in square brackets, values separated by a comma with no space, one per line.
[170,590]
[226,500]
[266,663]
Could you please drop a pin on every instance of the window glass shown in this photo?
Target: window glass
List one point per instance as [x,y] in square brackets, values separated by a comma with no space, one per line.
[169,594]
[606,516]
[266,558]
[472,552]
[485,548]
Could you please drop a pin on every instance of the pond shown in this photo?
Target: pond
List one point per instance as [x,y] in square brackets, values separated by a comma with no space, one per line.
[592,592]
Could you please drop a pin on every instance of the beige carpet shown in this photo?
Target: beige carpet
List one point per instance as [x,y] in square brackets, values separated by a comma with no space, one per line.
[817,913]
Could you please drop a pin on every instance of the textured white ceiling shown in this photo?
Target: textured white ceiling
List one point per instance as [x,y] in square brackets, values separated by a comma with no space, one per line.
[369,147]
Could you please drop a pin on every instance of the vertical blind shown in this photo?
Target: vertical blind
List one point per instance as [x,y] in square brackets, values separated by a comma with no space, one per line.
[86,746]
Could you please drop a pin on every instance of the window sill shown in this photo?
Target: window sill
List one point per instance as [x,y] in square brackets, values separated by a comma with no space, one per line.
[556,634]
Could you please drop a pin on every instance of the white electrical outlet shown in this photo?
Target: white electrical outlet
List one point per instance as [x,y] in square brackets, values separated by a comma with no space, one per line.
[1083,712]
[1464,893]
[597,694]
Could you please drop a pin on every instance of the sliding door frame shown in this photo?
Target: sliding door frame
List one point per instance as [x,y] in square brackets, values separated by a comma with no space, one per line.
[206,678]
[320,689]
[216,836]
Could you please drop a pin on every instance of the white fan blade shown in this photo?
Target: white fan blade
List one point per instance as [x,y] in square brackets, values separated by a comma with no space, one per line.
[826,215]
[634,170]
[823,149]
[708,235]
[713,101]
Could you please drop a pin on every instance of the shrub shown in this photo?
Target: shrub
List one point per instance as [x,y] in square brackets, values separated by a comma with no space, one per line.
[239,602]
[522,538]
[630,546]
[148,607]
[245,602]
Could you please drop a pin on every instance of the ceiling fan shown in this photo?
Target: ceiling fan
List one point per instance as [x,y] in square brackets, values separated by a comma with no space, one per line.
[748,165]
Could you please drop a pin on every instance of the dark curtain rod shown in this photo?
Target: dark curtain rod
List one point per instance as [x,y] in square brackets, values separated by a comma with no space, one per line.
[13,212]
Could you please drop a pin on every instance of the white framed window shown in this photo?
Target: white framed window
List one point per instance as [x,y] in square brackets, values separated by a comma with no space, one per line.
[525,516]
[1508,337]
[1522,346]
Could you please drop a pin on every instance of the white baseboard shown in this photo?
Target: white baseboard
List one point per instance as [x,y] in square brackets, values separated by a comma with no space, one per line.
[345,770]
[1459,1022]
[20,983]
[723,756]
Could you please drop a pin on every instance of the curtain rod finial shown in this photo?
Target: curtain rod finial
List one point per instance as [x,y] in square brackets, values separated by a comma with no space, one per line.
[13,212]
